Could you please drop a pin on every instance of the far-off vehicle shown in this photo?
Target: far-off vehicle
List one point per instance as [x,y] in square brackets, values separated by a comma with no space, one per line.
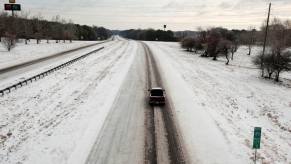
[157,96]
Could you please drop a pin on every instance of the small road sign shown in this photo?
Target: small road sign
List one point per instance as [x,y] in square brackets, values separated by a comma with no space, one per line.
[257,141]
[7,6]
[257,138]
[11,1]
[13,7]
[165,26]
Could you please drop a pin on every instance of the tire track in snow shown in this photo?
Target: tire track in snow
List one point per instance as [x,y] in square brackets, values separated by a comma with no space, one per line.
[167,135]
[150,153]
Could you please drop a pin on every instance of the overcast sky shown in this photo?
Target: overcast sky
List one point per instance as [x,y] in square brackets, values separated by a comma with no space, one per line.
[177,14]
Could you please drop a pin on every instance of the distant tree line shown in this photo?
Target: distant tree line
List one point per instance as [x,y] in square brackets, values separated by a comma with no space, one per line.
[35,27]
[148,35]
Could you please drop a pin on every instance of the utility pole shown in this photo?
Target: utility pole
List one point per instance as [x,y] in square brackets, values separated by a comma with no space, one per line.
[12,8]
[265,39]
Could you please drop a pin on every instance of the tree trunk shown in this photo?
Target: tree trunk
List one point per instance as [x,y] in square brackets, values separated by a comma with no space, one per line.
[227,60]
[263,72]
[270,74]
[215,55]
[11,43]
[9,46]
[277,76]
[250,50]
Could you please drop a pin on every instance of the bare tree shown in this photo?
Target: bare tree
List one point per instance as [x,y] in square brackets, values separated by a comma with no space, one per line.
[282,63]
[268,66]
[287,24]
[58,28]
[251,40]
[188,44]
[278,59]
[3,17]
[274,64]
[9,41]
[277,36]
[27,27]
[224,48]
[8,31]
[64,32]
[233,48]
[70,30]
[213,38]
[47,31]
[38,28]
[278,43]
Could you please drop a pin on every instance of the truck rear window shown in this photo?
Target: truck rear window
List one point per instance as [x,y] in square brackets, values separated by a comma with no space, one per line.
[157,93]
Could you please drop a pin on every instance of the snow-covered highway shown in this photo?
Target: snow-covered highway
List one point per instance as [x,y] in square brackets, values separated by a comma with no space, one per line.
[135,132]
[96,110]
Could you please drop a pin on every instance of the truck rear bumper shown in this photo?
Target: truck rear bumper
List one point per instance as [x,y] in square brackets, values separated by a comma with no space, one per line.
[157,102]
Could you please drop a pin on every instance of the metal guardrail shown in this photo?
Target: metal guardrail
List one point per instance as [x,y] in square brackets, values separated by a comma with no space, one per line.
[44,74]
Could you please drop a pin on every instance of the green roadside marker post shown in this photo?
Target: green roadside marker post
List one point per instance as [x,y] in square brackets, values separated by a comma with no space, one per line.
[257,140]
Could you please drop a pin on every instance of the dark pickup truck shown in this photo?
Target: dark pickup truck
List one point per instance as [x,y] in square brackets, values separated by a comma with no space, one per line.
[157,96]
